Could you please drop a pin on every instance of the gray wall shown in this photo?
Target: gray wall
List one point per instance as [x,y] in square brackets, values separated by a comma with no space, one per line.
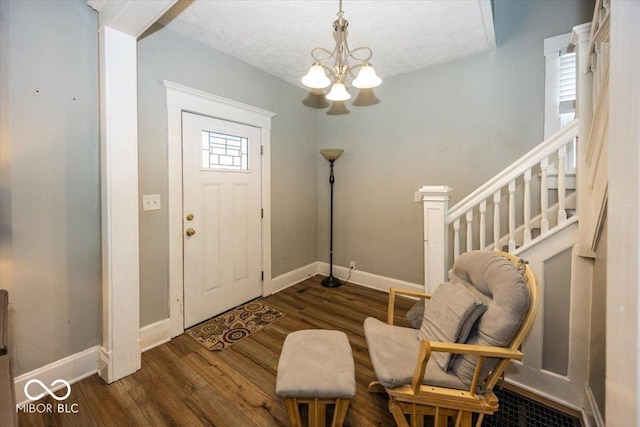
[456,124]
[165,54]
[50,217]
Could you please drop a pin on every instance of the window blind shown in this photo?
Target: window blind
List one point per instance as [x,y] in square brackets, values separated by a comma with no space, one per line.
[567,87]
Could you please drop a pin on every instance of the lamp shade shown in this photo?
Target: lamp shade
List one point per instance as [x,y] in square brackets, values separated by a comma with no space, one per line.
[338,92]
[367,78]
[316,78]
[331,154]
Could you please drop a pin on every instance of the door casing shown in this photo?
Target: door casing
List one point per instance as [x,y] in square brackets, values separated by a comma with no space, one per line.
[183,98]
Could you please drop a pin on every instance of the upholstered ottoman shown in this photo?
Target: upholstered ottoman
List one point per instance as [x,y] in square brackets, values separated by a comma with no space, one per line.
[316,368]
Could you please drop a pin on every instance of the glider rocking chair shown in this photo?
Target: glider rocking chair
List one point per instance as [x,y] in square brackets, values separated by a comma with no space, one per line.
[472,327]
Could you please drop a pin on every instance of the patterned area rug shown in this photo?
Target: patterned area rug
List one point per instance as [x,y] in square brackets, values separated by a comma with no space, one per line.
[228,328]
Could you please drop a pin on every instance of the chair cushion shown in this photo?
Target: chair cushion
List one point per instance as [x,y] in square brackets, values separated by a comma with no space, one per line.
[498,282]
[449,316]
[394,354]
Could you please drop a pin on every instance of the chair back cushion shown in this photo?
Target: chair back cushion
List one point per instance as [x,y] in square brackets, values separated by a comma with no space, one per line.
[449,316]
[498,282]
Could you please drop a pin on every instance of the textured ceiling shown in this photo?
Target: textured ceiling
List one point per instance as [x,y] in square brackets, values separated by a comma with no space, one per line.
[277,35]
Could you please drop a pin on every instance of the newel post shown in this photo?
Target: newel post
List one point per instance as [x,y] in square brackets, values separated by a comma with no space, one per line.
[435,201]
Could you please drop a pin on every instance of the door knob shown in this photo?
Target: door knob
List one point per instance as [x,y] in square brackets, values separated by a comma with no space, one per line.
[190,231]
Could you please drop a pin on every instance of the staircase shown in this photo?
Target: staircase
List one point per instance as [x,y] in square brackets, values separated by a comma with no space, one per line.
[555,229]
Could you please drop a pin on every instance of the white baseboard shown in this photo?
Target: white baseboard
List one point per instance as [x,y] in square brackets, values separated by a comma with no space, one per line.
[71,369]
[595,410]
[368,280]
[293,277]
[155,334]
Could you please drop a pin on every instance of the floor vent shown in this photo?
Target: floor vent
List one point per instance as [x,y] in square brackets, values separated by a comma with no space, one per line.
[519,411]
[303,290]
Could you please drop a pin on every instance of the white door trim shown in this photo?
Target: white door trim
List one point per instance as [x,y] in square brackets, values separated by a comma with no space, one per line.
[182,98]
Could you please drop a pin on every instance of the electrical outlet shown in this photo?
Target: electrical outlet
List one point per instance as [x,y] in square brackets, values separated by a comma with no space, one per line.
[352,265]
[417,197]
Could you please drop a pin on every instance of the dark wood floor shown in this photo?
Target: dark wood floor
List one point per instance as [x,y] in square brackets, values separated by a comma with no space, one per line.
[183,384]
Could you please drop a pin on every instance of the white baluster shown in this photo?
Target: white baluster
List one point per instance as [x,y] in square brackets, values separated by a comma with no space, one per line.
[456,239]
[562,212]
[483,226]
[469,218]
[544,195]
[496,220]
[527,206]
[512,216]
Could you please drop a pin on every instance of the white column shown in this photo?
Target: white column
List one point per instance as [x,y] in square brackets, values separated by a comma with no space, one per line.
[120,24]
[584,113]
[623,236]
[435,200]
[120,352]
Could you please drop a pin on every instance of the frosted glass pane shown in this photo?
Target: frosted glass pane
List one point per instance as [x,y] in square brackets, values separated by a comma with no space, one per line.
[221,151]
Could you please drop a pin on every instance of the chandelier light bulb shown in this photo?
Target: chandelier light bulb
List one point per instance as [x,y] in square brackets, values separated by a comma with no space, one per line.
[367,78]
[338,92]
[316,78]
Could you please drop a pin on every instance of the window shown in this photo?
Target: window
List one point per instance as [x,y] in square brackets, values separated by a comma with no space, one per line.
[567,88]
[220,151]
[560,84]
[560,98]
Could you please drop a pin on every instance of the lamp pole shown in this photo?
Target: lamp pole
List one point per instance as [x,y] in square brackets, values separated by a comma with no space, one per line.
[331,155]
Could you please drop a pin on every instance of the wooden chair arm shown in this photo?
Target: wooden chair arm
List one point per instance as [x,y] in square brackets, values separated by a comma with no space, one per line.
[476,350]
[482,351]
[392,300]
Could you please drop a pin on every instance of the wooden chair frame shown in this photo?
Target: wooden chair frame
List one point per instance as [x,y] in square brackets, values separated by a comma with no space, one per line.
[418,400]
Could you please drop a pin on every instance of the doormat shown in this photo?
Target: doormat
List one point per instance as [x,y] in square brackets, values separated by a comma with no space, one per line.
[228,328]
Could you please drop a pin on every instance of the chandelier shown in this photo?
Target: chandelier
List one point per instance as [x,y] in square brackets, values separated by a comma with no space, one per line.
[316,78]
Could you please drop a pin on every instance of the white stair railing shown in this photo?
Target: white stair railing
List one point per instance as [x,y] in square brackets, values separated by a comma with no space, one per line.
[514,182]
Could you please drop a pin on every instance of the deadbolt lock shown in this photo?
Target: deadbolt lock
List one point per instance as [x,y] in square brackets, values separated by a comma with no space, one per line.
[190,217]
[190,231]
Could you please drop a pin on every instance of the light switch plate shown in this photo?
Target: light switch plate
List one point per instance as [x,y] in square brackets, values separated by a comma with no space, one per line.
[151,202]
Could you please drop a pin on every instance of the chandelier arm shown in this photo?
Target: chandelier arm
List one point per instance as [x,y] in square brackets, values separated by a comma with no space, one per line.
[318,58]
[364,59]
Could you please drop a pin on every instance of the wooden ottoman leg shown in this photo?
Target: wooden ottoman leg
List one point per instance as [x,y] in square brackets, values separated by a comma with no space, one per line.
[340,412]
[317,413]
[293,411]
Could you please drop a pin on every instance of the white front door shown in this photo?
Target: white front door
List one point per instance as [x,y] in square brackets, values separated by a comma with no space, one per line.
[221,215]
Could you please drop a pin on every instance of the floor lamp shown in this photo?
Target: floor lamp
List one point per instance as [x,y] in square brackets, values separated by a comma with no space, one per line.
[331,154]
